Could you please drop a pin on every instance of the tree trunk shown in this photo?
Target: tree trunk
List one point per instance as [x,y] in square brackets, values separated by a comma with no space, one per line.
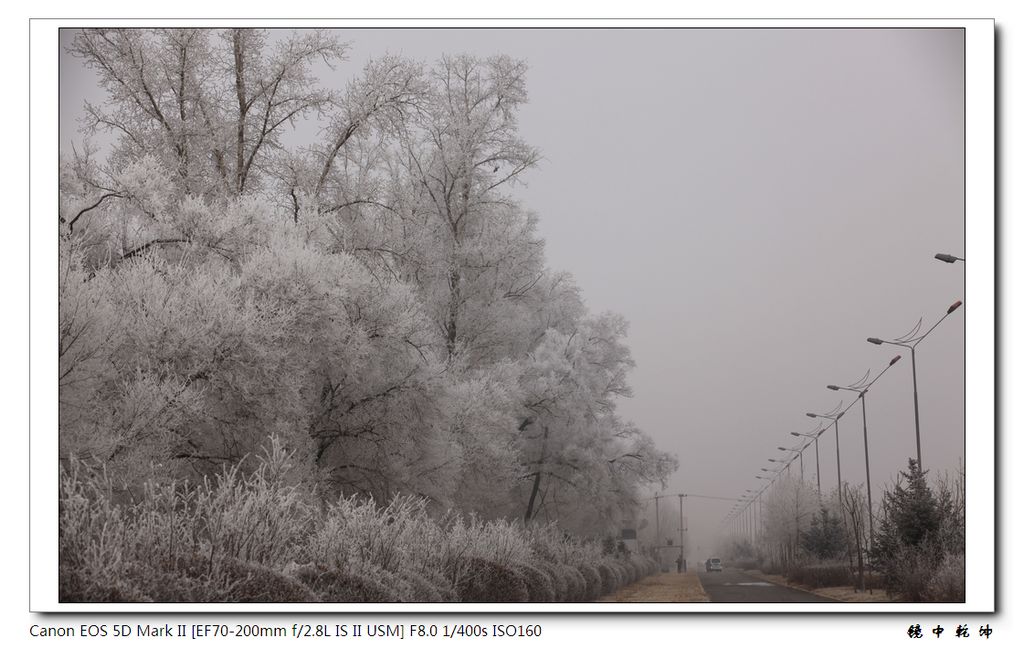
[243,108]
[536,478]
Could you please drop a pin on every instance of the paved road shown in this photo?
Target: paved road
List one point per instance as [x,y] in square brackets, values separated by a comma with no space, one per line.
[661,587]
[737,586]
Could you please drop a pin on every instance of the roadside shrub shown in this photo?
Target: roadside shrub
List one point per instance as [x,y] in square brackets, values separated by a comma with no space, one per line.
[92,539]
[907,575]
[254,583]
[78,585]
[821,576]
[874,580]
[338,586]
[250,537]
[593,584]
[357,530]
[652,565]
[499,541]
[609,580]
[427,585]
[253,517]
[189,578]
[947,583]
[539,586]
[558,580]
[627,574]
[641,568]
[487,581]
[577,584]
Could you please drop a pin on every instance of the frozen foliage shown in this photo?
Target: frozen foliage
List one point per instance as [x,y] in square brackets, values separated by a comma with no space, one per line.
[919,544]
[824,538]
[540,587]
[258,537]
[916,553]
[377,301]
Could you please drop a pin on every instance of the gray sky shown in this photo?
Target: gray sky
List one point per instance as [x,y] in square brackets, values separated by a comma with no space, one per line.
[757,203]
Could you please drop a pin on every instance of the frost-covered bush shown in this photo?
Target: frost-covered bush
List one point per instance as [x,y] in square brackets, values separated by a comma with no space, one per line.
[253,517]
[92,540]
[947,582]
[427,586]
[481,580]
[539,585]
[609,579]
[251,535]
[822,575]
[356,530]
[485,550]
[626,573]
[255,583]
[499,541]
[641,568]
[594,584]
[559,585]
[629,571]
[578,584]
[340,586]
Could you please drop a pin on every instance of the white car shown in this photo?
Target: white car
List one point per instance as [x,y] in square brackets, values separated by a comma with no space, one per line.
[713,565]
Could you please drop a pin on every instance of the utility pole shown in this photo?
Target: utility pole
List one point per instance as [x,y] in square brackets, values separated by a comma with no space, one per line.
[657,521]
[657,527]
[682,531]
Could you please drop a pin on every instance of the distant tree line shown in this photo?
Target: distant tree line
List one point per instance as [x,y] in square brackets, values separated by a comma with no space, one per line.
[917,552]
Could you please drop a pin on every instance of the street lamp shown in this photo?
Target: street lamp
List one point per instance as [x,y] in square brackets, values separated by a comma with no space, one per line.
[949,259]
[817,464]
[835,420]
[862,390]
[786,462]
[910,341]
[799,450]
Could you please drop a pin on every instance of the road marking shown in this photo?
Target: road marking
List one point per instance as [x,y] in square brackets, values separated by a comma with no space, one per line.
[749,583]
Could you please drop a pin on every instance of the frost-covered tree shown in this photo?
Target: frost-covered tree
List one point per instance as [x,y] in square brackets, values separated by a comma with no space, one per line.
[210,104]
[823,539]
[918,545]
[787,511]
[578,457]
[910,512]
[378,302]
[459,156]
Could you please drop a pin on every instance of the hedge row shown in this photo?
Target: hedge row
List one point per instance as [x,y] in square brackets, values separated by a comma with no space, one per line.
[254,538]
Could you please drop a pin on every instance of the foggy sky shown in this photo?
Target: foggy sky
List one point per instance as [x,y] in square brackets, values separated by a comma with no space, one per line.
[756,202]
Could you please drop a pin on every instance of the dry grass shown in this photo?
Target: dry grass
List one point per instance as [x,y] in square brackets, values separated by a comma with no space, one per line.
[841,593]
[848,594]
[662,587]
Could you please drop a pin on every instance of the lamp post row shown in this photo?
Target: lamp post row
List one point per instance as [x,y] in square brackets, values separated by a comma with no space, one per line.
[910,342]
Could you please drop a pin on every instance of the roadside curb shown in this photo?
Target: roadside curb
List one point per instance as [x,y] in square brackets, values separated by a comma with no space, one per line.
[703,593]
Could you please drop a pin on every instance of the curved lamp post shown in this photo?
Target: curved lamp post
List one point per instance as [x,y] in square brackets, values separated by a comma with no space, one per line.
[910,341]
[862,390]
[817,463]
[799,451]
[835,420]
[783,462]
